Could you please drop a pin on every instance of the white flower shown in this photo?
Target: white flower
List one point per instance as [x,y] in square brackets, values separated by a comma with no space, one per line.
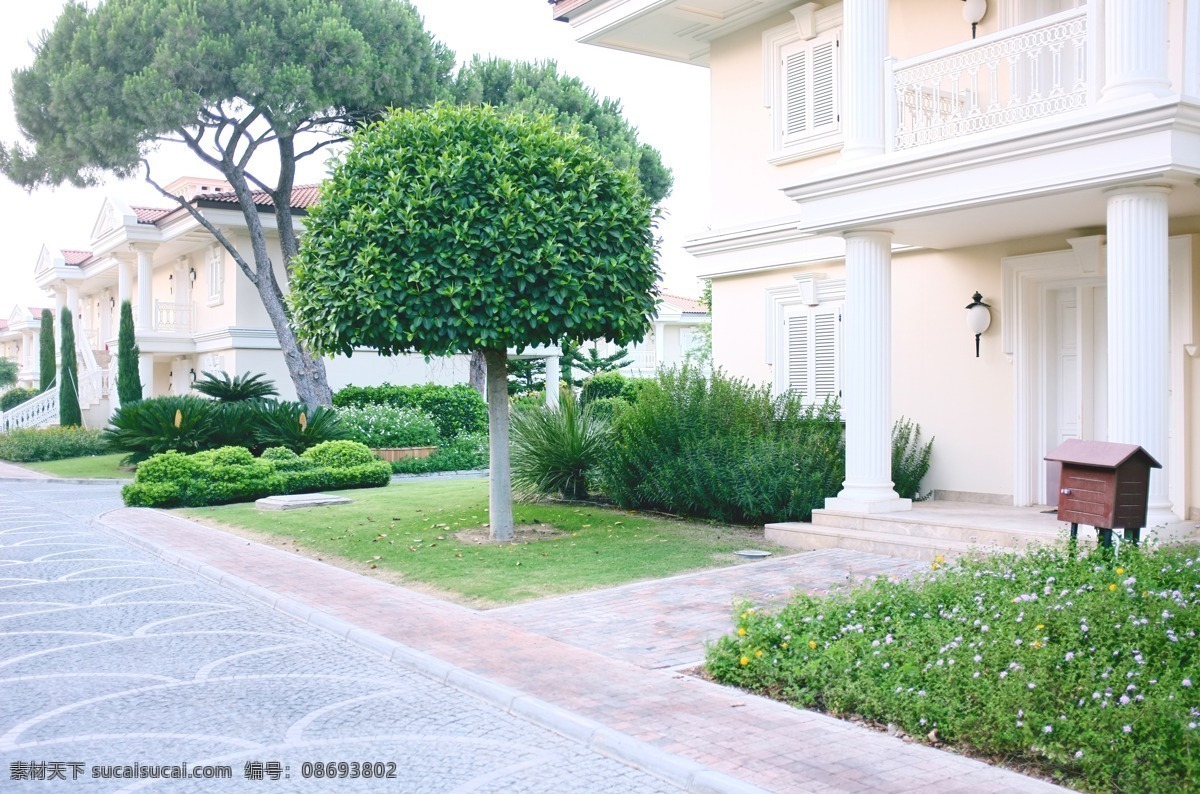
[1079,753]
[1048,729]
[1128,729]
[1186,682]
[1032,685]
[1070,655]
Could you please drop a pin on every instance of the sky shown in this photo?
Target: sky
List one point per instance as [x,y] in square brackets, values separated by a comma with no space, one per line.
[667,102]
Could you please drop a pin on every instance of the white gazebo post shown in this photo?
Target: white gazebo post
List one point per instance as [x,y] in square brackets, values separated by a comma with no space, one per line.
[552,366]
[1139,331]
[1135,49]
[867,379]
[864,55]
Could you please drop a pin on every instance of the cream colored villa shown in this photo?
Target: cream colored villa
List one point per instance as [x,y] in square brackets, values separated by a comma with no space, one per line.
[19,341]
[194,311]
[874,166]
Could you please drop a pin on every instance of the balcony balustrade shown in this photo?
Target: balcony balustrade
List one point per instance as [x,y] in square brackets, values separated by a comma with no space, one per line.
[1032,71]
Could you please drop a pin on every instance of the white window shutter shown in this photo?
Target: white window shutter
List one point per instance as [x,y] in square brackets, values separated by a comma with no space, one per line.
[799,356]
[827,353]
[824,90]
[809,82]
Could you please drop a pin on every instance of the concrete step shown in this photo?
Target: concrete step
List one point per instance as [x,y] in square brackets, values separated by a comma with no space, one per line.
[934,530]
[811,537]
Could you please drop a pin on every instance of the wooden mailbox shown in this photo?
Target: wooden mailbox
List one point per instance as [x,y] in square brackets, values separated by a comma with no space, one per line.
[1105,485]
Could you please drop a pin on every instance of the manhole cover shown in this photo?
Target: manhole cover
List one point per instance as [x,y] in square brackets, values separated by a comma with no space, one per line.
[753,554]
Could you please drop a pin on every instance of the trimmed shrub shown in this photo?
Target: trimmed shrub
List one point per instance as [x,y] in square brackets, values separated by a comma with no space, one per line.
[910,459]
[454,409]
[295,426]
[232,474]
[163,424]
[380,426]
[47,362]
[556,450]
[606,384]
[14,397]
[720,448]
[29,445]
[236,389]
[608,409]
[69,413]
[461,453]
[129,378]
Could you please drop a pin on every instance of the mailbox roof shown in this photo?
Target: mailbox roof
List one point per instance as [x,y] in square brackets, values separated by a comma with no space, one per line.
[1101,454]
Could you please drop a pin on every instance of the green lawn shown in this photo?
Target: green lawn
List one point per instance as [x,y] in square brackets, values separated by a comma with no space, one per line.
[409,528]
[93,467]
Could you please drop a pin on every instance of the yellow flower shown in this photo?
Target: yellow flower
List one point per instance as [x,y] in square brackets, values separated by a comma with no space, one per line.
[1112,587]
[1120,570]
[939,558]
[741,632]
[743,616]
[812,644]
[936,566]
[745,660]
[1041,626]
[750,611]
[784,646]
[1037,644]
[758,654]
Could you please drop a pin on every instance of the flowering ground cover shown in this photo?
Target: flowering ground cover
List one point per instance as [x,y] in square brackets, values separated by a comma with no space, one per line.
[1085,667]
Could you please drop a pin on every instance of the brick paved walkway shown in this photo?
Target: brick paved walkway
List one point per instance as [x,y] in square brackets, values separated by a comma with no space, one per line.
[110,657]
[589,672]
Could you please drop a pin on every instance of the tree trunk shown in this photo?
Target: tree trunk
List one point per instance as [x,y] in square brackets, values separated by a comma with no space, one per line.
[500,517]
[478,376]
[307,371]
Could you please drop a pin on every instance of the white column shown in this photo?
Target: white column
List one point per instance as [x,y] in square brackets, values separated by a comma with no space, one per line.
[1135,48]
[146,373]
[124,283]
[145,277]
[1139,331]
[867,382]
[552,366]
[660,345]
[72,306]
[864,53]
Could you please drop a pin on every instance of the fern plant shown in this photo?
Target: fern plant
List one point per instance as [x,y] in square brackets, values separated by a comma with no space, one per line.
[240,387]
[555,450]
[910,459]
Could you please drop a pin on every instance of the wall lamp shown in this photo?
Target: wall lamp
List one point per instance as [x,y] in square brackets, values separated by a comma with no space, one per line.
[978,318]
[112,303]
[192,373]
[974,12]
[192,273]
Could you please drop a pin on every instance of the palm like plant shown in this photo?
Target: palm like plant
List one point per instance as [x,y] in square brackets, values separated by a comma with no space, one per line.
[554,450]
[241,387]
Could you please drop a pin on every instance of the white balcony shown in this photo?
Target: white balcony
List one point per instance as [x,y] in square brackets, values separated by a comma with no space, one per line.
[1028,72]
[174,318]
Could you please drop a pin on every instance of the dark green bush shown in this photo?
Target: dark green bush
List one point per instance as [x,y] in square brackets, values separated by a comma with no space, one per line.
[556,450]
[232,474]
[240,387]
[164,424]
[461,453]
[295,426]
[723,449]
[606,384]
[633,387]
[29,445]
[14,397]
[910,459]
[454,409]
[608,409]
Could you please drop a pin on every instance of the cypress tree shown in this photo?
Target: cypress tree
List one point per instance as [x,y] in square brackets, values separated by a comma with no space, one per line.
[129,380]
[69,414]
[47,363]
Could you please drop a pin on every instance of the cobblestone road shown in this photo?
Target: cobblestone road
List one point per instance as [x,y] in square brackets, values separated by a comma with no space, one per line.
[110,657]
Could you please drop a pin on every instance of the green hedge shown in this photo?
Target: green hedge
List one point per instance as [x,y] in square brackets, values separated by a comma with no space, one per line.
[605,384]
[454,409]
[29,445]
[461,453]
[381,426]
[723,449]
[232,474]
[14,397]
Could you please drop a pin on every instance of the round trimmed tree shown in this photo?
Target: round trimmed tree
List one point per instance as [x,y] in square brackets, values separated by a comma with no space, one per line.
[463,228]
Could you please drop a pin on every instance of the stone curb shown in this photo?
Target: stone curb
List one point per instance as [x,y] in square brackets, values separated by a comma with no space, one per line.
[65,480]
[685,773]
[461,474]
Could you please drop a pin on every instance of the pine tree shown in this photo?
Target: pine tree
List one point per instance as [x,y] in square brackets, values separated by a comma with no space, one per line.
[129,380]
[47,362]
[69,414]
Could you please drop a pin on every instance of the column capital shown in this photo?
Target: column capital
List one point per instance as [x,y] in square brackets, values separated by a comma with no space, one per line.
[1148,188]
[867,234]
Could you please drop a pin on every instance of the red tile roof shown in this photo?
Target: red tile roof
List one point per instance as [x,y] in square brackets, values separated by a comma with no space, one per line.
[303,197]
[685,305]
[3,324]
[151,214]
[73,257]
